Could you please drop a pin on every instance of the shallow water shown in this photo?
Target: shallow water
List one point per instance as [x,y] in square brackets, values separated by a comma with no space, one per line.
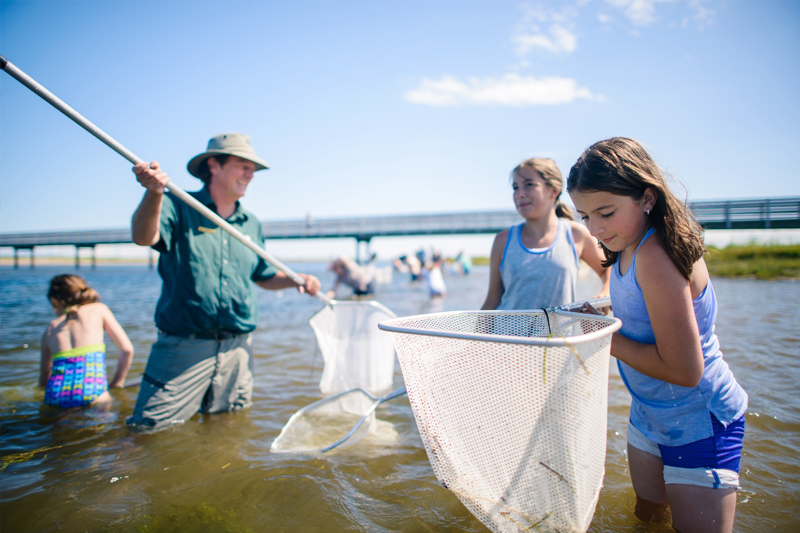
[83,471]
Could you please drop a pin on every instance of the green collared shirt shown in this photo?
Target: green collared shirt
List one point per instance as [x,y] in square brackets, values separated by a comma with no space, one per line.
[207,274]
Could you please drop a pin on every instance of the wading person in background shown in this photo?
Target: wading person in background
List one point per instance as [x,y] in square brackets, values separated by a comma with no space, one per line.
[203,359]
[360,278]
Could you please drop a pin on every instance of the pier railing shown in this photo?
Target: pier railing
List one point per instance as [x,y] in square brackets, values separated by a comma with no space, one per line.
[766,213]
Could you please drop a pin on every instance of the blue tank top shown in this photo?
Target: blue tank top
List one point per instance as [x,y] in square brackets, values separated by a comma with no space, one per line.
[537,278]
[669,414]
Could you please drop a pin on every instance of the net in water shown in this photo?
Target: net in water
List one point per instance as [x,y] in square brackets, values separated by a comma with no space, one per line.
[511,408]
[359,364]
[325,422]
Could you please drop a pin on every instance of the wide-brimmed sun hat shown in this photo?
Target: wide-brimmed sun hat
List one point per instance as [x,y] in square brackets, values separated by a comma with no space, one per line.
[237,144]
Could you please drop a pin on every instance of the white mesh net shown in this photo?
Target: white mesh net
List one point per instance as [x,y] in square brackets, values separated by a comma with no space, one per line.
[516,429]
[357,356]
[356,353]
[323,423]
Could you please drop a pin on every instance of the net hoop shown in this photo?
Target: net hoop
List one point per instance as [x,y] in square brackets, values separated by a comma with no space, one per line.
[395,326]
[512,410]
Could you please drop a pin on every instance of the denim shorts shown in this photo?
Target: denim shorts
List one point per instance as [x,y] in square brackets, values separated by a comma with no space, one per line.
[712,462]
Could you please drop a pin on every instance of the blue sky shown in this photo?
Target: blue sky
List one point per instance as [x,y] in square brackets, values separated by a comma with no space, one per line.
[391,107]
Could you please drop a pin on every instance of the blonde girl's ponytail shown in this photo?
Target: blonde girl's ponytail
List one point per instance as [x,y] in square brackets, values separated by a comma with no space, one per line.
[564,211]
[548,170]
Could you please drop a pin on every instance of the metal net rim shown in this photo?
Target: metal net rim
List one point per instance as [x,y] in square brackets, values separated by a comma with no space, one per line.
[612,325]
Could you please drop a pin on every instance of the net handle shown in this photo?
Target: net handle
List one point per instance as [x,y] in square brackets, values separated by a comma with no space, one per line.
[106,139]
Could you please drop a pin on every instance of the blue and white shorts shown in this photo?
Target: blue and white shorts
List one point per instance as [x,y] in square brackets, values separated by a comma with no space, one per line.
[713,462]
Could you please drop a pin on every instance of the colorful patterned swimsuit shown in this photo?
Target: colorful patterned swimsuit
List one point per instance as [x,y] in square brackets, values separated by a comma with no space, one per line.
[78,377]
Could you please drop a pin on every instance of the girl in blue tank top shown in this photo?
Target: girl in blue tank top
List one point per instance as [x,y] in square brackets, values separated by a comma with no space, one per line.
[535,265]
[687,411]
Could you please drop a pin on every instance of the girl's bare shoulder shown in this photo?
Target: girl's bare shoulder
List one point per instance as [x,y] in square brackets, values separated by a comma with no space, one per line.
[55,323]
[653,262]
[579,230]
[501,238]
[96,310]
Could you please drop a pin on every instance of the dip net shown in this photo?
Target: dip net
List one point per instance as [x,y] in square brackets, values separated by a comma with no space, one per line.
[356,353]
[359,365]
[512,409]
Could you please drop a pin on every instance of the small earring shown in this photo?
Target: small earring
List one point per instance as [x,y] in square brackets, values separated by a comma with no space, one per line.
[647,211]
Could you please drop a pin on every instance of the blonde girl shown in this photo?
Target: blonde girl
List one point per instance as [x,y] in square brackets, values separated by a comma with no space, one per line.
[535,264]
[73,369]
[687,412]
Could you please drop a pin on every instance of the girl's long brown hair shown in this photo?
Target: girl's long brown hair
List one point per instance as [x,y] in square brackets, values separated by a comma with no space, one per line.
[71,291]
[550,173]
[622,166]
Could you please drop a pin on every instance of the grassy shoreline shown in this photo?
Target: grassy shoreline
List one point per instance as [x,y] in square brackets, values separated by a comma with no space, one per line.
[767,262]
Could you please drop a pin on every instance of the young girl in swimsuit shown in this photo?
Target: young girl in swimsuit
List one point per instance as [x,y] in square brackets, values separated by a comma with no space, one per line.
[73,369]
[687,412]
[535,265]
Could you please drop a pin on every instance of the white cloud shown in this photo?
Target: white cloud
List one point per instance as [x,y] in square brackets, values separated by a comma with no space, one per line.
[604,19]
[560,40]
[510,90]
[639,12]
[643,12]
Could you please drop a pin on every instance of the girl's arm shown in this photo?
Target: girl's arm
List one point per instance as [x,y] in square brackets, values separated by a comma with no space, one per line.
[592,255]
[496,288]
[124,347]
[46,363]
[677,356]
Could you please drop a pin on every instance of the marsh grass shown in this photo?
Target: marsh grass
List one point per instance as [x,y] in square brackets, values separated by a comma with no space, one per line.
[767,262]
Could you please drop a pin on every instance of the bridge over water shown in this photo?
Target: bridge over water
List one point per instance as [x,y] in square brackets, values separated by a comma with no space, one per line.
[763,213]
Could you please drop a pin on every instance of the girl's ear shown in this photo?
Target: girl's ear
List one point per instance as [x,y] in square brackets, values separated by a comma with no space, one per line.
[649,199]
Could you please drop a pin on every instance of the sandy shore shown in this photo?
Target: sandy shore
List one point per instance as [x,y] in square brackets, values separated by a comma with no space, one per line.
[24,261]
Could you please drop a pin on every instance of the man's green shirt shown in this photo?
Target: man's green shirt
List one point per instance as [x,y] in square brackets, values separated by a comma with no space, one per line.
[207,274]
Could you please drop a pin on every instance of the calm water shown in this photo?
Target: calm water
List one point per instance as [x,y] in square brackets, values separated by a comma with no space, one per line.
[83,471]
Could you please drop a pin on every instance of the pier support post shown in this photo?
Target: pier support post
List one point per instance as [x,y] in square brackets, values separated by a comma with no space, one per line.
[359,240]
[77,257]
[16,255]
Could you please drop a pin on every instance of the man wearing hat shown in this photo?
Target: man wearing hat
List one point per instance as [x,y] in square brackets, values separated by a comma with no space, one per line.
[203,360]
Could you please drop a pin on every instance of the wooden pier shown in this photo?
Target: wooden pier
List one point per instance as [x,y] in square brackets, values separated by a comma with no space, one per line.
[763,213]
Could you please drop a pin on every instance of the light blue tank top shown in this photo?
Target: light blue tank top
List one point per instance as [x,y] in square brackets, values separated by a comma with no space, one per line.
[536,278]
[669,414]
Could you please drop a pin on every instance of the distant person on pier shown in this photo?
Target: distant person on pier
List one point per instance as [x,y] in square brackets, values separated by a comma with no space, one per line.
[73,368]
[535,264]
[203,358]
[360,278]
